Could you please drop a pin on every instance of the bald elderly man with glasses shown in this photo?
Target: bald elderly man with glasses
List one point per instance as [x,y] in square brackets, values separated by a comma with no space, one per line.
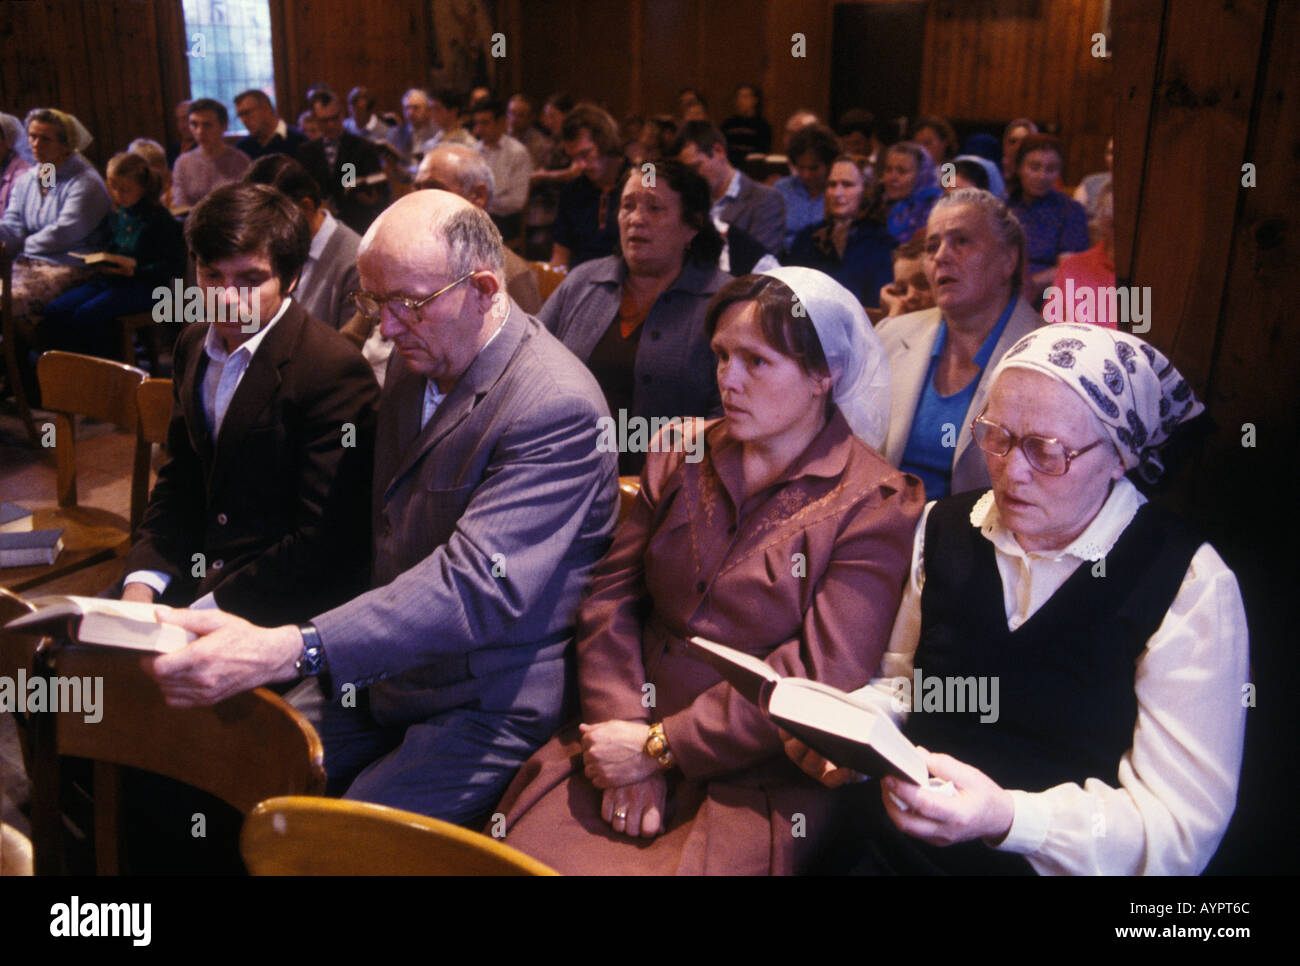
[491,505]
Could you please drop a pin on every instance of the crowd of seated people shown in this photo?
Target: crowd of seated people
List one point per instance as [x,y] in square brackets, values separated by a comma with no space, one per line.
[866,455]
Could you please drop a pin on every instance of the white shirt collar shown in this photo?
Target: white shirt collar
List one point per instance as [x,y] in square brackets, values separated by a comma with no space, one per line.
[433,396]
[733,189]
[282,129]
[1097,539]
[322,237]
[216,349]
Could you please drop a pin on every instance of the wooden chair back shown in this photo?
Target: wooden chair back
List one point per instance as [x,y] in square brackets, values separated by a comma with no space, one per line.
[325,836]
[629,488]
[76,385]
[549,278]
[248,748]
[23,652]
[8,338]
[17,654]
[154,410]
[15,852]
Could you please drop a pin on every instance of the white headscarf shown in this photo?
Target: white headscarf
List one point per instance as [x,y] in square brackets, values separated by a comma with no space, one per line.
[858,362]
[78,137]
[997,186]
[1136,393]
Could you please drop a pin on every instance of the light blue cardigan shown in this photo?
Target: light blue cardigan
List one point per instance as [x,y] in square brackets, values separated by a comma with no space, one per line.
[67,218]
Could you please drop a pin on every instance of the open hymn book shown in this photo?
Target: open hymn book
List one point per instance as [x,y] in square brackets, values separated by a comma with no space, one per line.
[95,620]
[848,731]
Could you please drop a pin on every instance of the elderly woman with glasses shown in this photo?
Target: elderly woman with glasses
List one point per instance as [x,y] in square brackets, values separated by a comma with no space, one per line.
[1110,636]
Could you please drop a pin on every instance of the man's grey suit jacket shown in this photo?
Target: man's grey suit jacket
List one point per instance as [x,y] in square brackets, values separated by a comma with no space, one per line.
[487,523]
[333,278]
[759,211]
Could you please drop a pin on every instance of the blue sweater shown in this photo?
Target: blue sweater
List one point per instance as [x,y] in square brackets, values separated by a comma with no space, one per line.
[67,217]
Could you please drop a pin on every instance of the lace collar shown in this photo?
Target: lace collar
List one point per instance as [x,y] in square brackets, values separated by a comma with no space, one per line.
[1097,539]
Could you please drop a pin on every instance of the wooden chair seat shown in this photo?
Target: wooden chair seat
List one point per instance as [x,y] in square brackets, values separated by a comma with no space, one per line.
[549,278]
[90,536]
[17,653]
[324,836]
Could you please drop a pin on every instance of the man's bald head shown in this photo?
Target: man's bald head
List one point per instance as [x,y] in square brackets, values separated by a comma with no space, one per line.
[437,263]
[437,225]
[460,170]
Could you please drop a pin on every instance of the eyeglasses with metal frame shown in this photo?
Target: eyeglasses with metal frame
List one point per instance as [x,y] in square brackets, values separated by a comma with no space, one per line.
[404,310]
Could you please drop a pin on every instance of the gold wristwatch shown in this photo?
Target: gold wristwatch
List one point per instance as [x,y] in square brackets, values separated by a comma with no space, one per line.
[656,746]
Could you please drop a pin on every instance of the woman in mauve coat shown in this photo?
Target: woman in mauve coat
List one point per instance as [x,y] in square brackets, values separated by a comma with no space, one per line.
[776,530]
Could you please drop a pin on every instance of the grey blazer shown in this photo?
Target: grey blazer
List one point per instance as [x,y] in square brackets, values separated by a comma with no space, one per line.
[487,523]
[909,340]
[759,211]
[333,277]
[675,372]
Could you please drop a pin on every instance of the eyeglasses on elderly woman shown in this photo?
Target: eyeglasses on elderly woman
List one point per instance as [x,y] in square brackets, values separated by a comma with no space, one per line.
[1046,454]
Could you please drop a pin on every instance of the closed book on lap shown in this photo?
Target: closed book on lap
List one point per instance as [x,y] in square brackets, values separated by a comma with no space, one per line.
[105,258]
[847,731]
[31,548]
[111,623]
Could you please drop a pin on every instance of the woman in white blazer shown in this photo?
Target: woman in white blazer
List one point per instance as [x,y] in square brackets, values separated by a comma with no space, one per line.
[940,358]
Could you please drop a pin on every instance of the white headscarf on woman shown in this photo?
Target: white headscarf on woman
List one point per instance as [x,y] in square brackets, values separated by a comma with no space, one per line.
[858,362]
[1136,393]
[78,137]
[997,186]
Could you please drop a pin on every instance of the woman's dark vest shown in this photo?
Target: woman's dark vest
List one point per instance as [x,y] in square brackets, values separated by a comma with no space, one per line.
[1066,704]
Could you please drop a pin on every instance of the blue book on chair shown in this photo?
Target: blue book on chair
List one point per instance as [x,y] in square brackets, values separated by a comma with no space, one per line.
[29,549]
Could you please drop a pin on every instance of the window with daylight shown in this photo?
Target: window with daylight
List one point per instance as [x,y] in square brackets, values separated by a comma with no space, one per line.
[228,43]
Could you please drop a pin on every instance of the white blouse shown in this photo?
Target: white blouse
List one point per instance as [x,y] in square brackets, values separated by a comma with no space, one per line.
[1178,781]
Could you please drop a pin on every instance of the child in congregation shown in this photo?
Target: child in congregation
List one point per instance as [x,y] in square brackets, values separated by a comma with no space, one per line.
[145,250]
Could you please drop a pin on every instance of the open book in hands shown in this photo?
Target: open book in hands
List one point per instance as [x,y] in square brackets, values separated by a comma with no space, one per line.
[849,731]
[96,620]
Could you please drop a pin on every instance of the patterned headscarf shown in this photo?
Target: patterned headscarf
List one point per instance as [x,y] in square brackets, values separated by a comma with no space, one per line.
[908,215]
[1136,393]
[857,359]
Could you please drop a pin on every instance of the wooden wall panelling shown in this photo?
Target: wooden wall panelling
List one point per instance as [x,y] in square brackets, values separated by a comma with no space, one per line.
[791,83]
[1256,362]
[327,41]
[173,64]
[670,31]
[547,44]
[1199,124]
[1138,28]
[992,60]
[98,60]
